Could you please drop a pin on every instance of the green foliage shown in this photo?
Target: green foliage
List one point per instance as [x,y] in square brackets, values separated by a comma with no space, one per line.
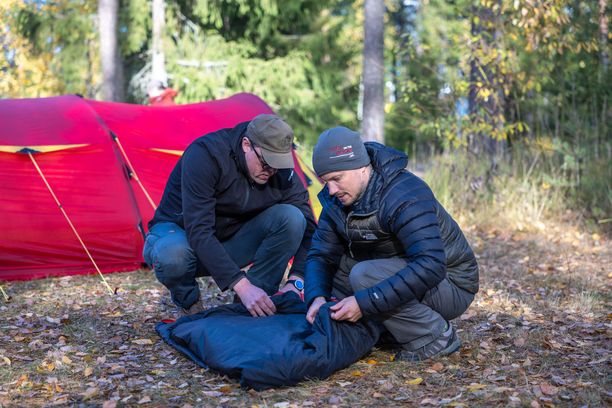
[528,75]
[303,76]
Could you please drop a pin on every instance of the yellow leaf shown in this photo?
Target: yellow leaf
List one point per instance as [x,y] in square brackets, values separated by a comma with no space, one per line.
[226,389]
[46,367]
[143,342]
[88,371]
[357,373]
[372,362]
[415,381]
[66,360]
[473,387]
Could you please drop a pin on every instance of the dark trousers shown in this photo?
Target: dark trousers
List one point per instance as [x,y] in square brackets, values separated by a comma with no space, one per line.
[416,323]
[268,240]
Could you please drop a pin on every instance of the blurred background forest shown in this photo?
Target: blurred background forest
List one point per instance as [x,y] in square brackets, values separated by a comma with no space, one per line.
[502,104]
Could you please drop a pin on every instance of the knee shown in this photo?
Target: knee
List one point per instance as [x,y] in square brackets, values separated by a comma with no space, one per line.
[360,276]
[172,258]
[289,220]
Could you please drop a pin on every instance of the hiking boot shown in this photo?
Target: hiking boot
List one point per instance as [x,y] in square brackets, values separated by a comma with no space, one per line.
[446,344]
[197,307]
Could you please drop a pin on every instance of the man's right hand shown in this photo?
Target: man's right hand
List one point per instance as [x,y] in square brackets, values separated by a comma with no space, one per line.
[257,302]
[314,308]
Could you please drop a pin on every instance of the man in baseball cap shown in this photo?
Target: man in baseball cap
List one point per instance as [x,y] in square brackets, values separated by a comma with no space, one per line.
[232,201]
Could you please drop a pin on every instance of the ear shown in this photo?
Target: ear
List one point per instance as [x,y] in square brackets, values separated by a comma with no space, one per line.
[246,144]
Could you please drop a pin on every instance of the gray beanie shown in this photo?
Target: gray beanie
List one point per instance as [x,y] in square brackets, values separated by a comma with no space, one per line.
[338,149]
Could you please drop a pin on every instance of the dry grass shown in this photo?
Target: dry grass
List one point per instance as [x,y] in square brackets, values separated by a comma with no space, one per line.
[538,334]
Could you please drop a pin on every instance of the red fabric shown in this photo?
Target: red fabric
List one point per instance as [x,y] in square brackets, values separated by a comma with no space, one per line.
[91,181]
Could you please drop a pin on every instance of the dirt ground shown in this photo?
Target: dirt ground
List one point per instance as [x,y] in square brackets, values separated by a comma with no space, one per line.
[538,334]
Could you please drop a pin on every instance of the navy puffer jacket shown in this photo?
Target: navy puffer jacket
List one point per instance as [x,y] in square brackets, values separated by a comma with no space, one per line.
[402,218]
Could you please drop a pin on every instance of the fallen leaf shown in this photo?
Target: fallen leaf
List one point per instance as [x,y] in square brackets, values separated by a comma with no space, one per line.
[6,360]
[88,371]
[357,373]
[143,342]
[377,395]
[144,400]
[66,360]
[519,342]
[437,367]
[548,389]
[212,393]
[473,387]
[109,404]
[90,392]
[415,381]
[226,389]
[372,362]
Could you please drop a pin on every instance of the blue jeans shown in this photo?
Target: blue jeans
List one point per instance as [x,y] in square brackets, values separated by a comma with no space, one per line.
[268,240]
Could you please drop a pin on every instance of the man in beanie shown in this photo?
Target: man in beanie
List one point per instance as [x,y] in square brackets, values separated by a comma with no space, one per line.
[232,200]
[386,248]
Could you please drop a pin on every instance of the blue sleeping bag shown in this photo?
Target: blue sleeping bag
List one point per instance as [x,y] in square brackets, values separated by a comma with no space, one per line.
[271,351]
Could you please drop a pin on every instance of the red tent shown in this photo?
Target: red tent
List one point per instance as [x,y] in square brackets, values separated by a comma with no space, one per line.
[105,165]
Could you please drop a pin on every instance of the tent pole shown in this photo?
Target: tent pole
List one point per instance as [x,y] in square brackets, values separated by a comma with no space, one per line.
[6,297]
[110,290]
[134,174]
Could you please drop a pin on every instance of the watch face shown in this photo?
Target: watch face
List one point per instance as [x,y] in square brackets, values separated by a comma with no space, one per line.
[298,284]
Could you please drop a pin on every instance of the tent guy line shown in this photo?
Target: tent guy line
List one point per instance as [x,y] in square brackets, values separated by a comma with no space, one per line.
[29,152]
[133,171]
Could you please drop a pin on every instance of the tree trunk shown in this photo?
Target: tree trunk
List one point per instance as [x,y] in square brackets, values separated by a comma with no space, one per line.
[159,62]
[373,72]
[603,36]
[112,67]
[485,111]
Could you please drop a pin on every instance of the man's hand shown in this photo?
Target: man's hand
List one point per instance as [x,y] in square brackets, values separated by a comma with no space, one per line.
[290,287]
[257,302]
[346,309]
[314,308]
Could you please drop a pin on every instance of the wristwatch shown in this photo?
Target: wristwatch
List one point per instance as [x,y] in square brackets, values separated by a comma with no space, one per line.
[299,285]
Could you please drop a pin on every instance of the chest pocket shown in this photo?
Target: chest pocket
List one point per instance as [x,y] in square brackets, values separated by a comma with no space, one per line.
[367,240]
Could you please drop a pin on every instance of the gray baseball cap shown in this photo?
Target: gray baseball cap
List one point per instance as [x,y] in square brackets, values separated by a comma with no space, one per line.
[275,138]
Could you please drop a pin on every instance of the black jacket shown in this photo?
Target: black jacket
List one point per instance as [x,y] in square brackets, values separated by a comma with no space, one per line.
[210,195]
[408,222]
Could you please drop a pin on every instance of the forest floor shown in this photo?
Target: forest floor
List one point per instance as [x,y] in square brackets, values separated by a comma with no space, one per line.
[538,334]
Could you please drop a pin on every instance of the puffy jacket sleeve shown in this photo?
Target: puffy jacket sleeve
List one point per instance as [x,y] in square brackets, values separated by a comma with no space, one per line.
[408,211]
[323,260]
[200,174]
[297,195]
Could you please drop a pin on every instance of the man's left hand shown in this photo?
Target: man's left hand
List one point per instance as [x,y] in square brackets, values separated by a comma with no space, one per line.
[346,309]
[290,287]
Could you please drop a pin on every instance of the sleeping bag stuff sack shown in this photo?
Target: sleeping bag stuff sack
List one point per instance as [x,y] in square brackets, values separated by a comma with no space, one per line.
[271,351]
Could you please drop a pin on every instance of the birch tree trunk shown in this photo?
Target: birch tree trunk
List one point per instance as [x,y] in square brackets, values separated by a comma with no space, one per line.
[158,71]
